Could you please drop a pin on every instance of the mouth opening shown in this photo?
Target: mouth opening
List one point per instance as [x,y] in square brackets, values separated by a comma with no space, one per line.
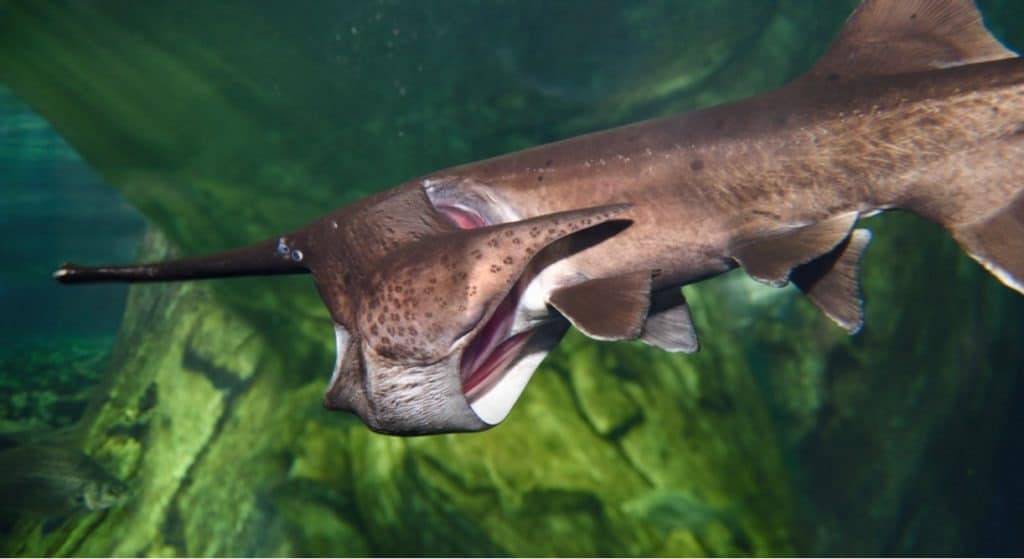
[492,350]
[493,355]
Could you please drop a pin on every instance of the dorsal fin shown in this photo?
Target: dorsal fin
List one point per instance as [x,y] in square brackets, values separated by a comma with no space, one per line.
[885,37]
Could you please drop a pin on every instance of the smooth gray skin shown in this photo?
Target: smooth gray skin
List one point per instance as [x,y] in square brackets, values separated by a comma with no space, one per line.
[915,107]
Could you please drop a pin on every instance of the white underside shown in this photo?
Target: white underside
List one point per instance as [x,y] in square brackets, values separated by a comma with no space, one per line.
[341,337]
[532,308]
[531,312]
[1003,275]
[494,406]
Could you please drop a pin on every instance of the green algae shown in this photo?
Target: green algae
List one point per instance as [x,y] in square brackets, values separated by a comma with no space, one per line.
[781,436]
[47,384]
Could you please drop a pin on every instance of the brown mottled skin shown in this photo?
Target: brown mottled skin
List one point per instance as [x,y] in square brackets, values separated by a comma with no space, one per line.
[410,287]
[814,149]
[448,290]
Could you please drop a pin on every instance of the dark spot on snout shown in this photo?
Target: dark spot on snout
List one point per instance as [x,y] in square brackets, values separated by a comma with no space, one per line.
[696,165]
[719,124]
[508,260]
[540,178]
[549,162]
[913,15]
[833,77]
[780,120]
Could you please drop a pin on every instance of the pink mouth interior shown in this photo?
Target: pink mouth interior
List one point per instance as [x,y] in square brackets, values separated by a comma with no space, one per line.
[462,218]
[492,350]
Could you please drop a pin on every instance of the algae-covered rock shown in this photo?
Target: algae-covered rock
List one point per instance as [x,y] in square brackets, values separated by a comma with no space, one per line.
[234,121]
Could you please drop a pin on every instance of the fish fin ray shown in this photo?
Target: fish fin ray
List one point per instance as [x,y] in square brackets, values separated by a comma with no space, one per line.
[769,258]
[669,325]
[612,308]
[997,242]
[832,281]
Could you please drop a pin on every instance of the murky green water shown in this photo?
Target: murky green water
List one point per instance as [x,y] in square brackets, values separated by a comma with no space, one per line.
[232,121]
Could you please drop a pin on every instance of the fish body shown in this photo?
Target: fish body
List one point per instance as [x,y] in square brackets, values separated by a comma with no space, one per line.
[448,290]
[704,181]
[43,481]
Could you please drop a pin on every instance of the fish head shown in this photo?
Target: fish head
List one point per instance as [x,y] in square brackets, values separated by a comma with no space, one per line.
[424,316]
[104,493]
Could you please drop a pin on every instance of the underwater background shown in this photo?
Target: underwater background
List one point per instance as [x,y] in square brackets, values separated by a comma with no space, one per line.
[151,129]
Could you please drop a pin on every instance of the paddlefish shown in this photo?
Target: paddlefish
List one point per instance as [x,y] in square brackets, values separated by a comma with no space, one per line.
[447,291]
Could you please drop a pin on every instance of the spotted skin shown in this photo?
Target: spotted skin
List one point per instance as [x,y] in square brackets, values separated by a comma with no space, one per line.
[916,107]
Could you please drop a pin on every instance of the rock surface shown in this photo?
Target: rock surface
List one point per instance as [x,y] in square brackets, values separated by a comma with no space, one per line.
[781,436]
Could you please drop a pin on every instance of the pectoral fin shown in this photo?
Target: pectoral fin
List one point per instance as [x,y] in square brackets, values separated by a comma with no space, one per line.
[669,325]
[832,282]
[606,308]
[770,258]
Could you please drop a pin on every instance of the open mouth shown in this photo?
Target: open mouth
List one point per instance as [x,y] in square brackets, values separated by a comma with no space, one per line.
[497,365]
[492,350]
[493,369]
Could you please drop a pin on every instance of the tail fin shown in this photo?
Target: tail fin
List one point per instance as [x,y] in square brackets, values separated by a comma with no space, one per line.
[997,242]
